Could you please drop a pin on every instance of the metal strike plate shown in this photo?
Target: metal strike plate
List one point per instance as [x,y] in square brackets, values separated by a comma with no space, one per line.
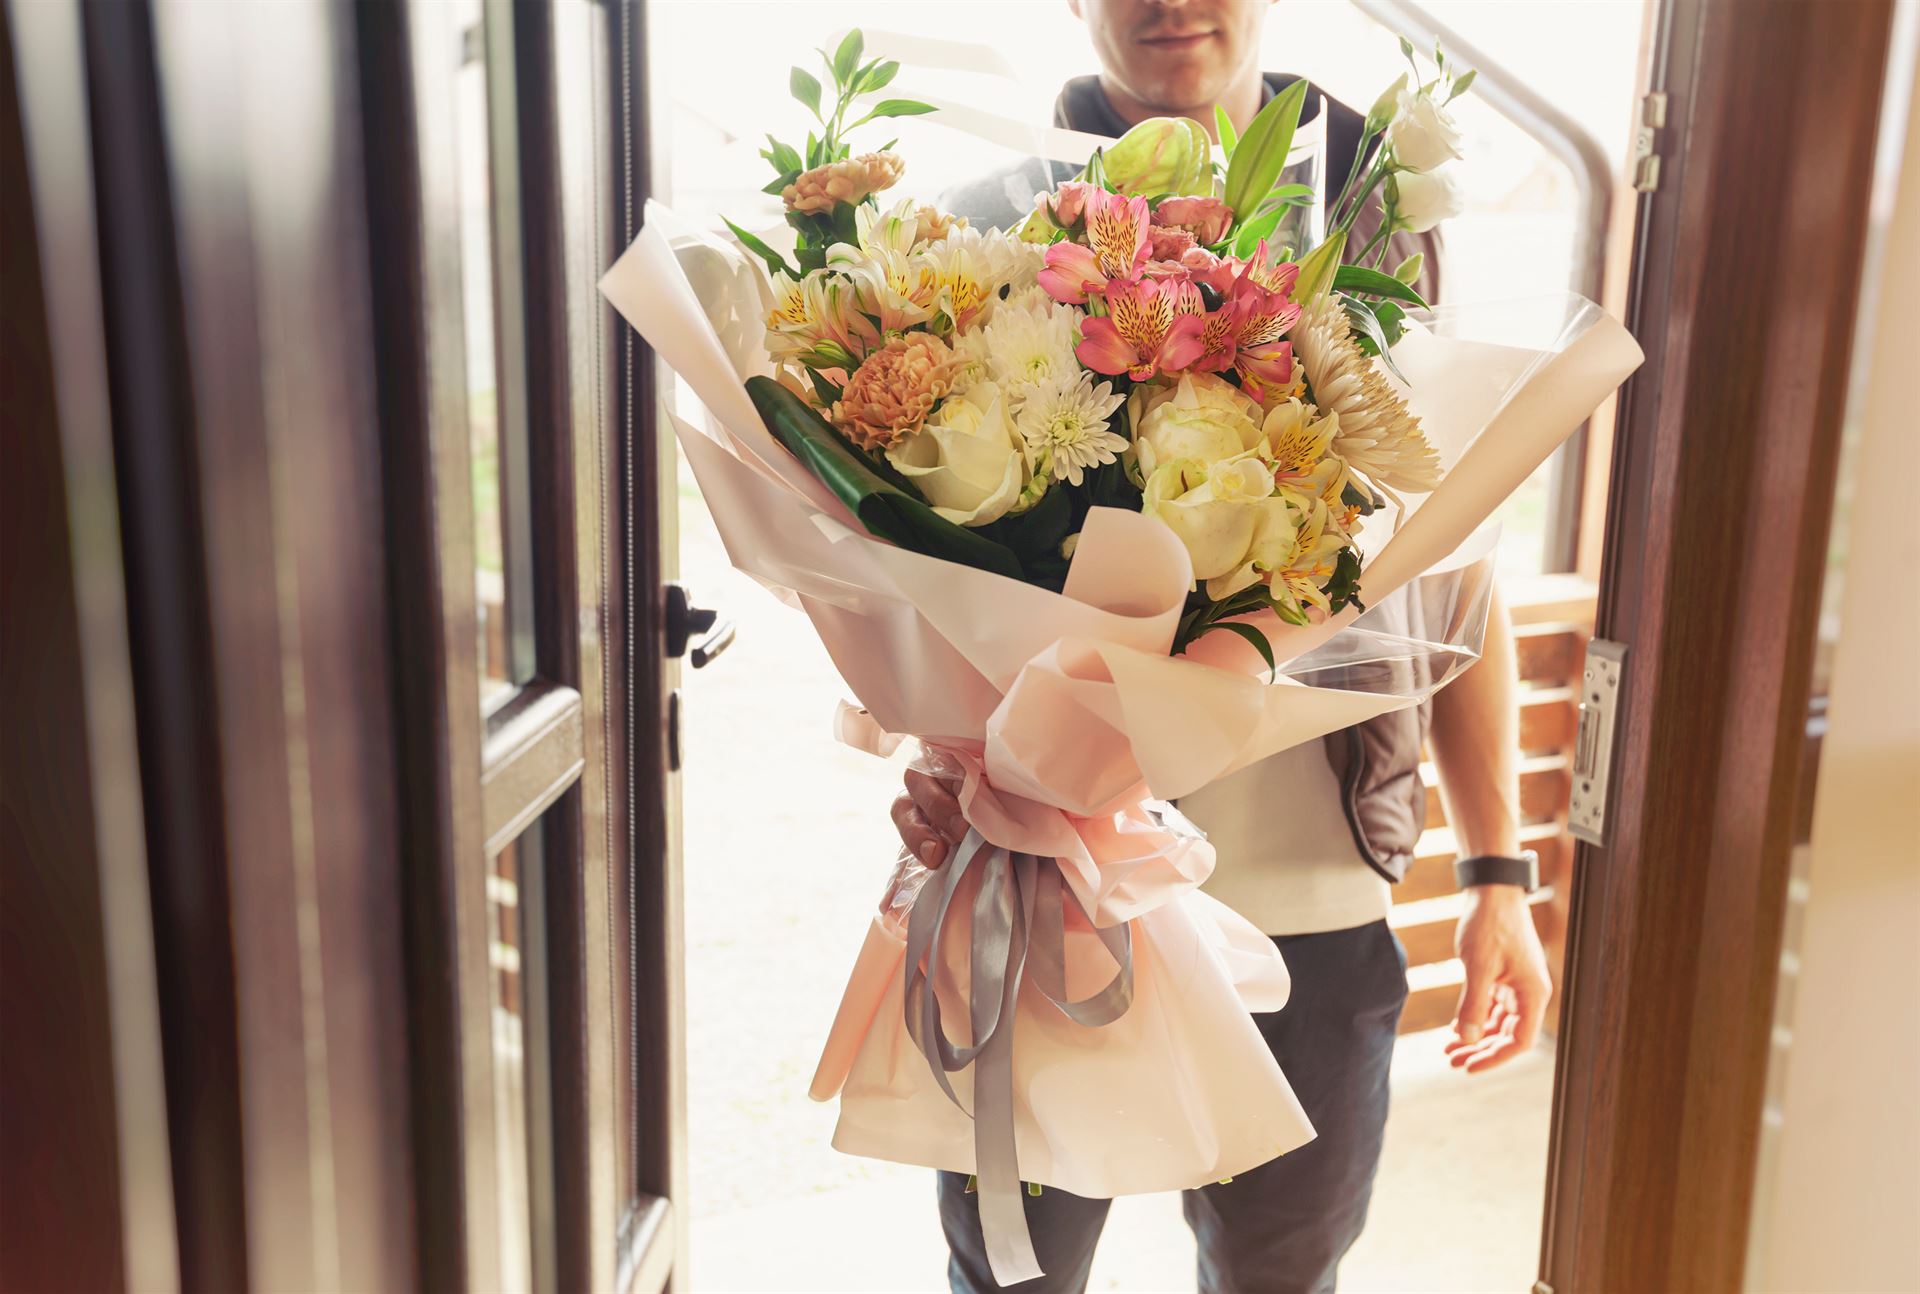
[1645,167]
[1601,695]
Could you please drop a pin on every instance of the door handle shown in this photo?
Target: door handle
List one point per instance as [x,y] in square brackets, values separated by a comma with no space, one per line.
[685,622]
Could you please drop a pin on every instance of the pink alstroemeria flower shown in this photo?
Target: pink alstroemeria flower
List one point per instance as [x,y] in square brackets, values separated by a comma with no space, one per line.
[1146,330]
[1207,219]
[1262,355]
[1274,278]
[1116,247]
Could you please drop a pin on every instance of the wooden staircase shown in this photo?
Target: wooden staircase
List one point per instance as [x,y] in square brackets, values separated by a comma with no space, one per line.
[1553,618]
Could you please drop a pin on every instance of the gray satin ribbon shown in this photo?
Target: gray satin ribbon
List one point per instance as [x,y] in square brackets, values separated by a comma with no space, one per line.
[1018,930]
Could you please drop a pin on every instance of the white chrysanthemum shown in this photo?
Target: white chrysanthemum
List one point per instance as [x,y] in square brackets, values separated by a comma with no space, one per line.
[1378,438]
[1024,261]
[1065,426]
[1027,350]
[973,357]
[1033,300]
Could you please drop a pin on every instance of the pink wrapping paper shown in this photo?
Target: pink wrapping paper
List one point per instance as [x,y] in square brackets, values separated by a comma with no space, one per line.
[1069,714]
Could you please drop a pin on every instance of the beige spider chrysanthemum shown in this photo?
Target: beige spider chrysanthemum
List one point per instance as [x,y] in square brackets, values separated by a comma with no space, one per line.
[847,180]
[1378,438]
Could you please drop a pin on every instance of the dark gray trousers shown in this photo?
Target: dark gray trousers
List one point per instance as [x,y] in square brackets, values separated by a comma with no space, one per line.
[1284,1226]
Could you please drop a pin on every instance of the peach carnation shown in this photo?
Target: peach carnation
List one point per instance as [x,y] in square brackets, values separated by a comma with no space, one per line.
[894,389]
[847,180]
[935,224]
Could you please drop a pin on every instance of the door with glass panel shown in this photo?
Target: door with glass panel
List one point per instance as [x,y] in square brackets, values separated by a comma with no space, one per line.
[545,979]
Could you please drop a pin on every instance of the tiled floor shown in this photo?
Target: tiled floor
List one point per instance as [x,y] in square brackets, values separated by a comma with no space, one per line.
[787,847]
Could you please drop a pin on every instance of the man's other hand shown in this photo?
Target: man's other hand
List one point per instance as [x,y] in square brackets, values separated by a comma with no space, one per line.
[1505,997]
[926,814]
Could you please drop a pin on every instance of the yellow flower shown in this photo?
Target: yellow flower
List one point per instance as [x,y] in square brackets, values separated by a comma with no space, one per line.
[1214,508]
[1299,446]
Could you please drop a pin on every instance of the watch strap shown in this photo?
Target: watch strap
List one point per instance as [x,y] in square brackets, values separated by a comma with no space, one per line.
[1499,869]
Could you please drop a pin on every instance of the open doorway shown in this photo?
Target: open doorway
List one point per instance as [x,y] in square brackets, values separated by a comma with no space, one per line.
[787,840]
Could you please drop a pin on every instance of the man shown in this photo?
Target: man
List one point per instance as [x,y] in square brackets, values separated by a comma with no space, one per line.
[1308,840]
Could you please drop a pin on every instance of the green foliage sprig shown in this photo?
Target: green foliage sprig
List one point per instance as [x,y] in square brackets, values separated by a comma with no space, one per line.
[850,79]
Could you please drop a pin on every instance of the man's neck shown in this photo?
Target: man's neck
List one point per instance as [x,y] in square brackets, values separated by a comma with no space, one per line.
[1242,101]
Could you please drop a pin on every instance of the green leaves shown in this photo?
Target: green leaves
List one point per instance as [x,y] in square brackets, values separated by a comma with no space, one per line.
[1223,127]
[776,263]
[895,108]
[806,88]
[885,509]
[1261,153]
[1252,636]
[1461,84]
[1372,331]
[847,58]
[1358,278]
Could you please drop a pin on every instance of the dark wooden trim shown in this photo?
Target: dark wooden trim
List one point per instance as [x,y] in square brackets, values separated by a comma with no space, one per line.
[169,625]
[1722,487]
[413,221]
[86,1200]
[656,941]
[534,753]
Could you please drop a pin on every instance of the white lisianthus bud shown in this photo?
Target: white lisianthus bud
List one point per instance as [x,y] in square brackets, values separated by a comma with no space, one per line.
[1204,418]
[1422,135]
[1423,201]
[1213,509]
[967,459]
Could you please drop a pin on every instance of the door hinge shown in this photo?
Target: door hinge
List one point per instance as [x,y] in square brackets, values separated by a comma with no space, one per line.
[1646,140]
[1601,695]
[1541,1287]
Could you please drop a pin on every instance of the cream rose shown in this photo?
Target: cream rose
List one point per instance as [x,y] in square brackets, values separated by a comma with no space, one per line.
[1422,135]
[1203,418]
[1213,508]
[967,460]
[1276,537]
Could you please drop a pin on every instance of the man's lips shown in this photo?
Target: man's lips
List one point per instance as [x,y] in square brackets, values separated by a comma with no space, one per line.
[1176,40]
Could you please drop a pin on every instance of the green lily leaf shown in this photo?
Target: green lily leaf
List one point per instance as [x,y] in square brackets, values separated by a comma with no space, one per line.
[1358,278]
[775,261]
[1223,126]
[885,509]
[1261,153]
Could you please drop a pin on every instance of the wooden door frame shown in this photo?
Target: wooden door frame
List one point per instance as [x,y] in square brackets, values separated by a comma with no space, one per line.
[1745,293]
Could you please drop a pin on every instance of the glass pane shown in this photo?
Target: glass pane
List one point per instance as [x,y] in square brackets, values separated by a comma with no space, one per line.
[522,1144]
[502,605]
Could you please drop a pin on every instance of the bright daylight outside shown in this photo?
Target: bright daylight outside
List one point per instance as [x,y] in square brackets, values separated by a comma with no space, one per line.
[787,837]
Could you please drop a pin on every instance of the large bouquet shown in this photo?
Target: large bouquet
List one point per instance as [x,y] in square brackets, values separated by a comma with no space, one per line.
[1080,506]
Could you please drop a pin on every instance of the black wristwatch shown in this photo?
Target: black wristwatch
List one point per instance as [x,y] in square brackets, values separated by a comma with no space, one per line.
[1499,869]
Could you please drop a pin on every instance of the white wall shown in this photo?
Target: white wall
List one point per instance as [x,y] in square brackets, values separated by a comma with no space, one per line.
[1838,1205]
